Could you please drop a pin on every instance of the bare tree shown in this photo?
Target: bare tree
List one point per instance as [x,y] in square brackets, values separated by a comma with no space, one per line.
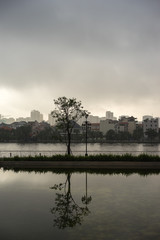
[67,112]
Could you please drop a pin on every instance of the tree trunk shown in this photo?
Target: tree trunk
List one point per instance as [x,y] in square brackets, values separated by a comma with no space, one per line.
[68,149]
[69,144]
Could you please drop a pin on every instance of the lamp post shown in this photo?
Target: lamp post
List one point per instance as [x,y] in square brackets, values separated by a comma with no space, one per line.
[85,127]
[85,199]
[86,123]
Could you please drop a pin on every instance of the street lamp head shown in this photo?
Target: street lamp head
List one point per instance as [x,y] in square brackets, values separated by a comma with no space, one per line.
[86,115]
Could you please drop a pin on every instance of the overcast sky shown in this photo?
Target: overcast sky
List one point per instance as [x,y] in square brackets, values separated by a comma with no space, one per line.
[105,53]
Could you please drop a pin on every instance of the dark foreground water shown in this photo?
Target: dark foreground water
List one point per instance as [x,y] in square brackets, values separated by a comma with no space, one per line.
[38,206]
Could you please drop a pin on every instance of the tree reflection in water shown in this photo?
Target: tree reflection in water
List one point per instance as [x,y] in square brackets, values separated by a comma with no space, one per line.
[67,213]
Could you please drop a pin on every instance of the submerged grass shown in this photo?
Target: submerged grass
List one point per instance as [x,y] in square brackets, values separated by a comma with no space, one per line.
[99,157]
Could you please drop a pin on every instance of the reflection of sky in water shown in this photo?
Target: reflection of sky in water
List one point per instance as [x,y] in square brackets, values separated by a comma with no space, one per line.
[121,207]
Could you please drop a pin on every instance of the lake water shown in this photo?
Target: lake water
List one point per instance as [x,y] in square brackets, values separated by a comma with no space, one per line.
[38,206]
[77,149]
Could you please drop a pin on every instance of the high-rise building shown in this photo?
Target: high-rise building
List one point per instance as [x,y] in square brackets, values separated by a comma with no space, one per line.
[36,116]
[51,119]
[109,115]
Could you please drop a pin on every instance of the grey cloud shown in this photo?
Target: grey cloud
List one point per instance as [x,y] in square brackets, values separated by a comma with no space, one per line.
[82,48]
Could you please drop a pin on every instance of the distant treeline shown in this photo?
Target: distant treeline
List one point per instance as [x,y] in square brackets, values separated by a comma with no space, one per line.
[26,134]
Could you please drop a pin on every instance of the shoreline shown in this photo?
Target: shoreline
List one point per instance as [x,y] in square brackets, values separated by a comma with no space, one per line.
[83,142]
[79,165]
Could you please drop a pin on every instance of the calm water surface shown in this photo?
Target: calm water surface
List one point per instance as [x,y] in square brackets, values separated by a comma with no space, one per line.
[77,149]
[79,206]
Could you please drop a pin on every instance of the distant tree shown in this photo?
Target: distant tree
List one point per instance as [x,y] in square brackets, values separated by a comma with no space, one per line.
[48,134]
[77,136]
[67,112]
[6,135]
[95,135]
[123,136]
[151,134]
[111,135]
[23,134]
[138,133]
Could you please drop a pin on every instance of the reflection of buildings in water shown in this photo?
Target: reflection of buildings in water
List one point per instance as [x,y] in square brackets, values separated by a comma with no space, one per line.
[67,213]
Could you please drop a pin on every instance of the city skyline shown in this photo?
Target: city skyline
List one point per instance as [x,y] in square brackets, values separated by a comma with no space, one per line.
[104,53]
[36,115]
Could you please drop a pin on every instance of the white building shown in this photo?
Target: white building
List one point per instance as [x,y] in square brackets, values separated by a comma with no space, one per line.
[103,118]
[109,115]
[152,124]
[126,124]
[106,125]
[51,120]
[147,117]
[20,119]
[36,116]
[7,120]
[91,119]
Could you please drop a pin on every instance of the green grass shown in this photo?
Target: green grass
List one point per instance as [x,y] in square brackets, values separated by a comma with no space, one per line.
[99,157]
